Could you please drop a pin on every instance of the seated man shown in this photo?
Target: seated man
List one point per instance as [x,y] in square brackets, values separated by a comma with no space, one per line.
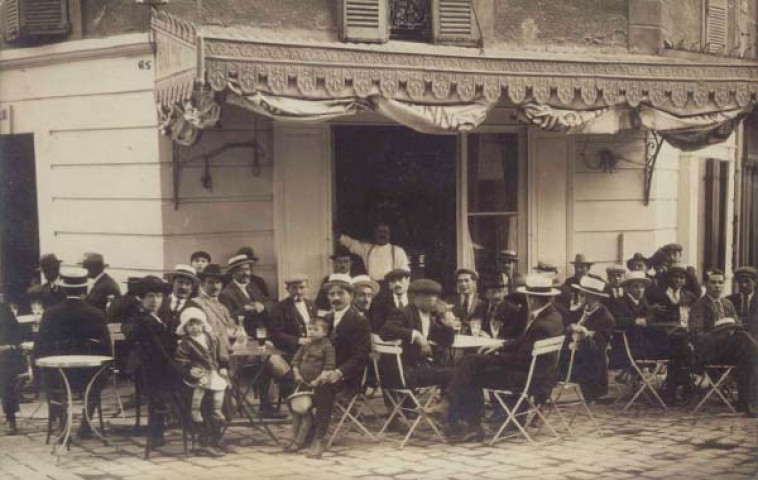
[291,317]
[670,255]
[351,337]
[366,291]
[501,318]
[745,300]
[426,335]
[342,262]
[466,303]
[243,297]
[569,296]
[507,368]
[719,340]
[183,280]
[217,315]
[591,328]
[391,299]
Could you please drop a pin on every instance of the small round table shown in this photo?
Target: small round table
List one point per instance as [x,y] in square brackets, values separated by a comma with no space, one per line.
[28,319]
[67,362]
[468,341]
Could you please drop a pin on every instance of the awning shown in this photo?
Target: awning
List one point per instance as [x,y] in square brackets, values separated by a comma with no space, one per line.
[432,88]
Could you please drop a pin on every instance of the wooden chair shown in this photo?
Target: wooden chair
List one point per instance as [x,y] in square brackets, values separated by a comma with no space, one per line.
[721,374]
[350,409]
[647,372]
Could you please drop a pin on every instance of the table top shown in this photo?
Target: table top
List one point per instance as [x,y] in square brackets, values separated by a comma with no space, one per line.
[73,361]
[28,318]
[468,341]
[252,349]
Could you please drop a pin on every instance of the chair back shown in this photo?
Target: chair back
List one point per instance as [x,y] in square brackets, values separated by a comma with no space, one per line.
[78,346]
[388,349]
[627,346]
[573,346]
[114,330]
[546,346]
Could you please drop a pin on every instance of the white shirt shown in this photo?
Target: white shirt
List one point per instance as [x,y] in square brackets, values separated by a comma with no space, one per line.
[302,308]
[674,295]
[176,302]
[426,322]
[378,259]
[471,300]
[400,300]
[338,314]
[634,300]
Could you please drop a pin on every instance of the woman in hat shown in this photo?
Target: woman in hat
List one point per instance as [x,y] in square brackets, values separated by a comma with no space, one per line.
[589,330]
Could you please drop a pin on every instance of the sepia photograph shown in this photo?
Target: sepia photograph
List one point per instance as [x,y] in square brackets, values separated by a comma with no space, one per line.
[379,239]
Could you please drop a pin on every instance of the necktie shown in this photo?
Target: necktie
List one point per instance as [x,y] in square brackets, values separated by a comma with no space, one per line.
[745,306]
[399,301]
[465,304]
[720,309]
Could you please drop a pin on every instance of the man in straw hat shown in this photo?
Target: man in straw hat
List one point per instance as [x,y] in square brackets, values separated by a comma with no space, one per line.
[569,295]
[73,327]
[291,316]
[505,367]
[351,337]
[366,291]
[342,262]
[591,328]
[184,282]
[244,298]
[745,300]
[719,339]
[257,284]
[103,289]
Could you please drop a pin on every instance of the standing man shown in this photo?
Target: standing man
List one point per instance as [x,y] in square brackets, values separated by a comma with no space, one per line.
[216,313]
[351,337]
[719,340]
[638,262]
[391,299]
[50,292]
[199,260]
[342,262]
[745,300]
[570,296]
[291,317]
[615,274]
[505,367]
[466,303]
[183,282]
[379,257]
[244,298]
[506,268]
[103,289]
[671,254]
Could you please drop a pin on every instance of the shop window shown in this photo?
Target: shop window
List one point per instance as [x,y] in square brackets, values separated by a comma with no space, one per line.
[493,209]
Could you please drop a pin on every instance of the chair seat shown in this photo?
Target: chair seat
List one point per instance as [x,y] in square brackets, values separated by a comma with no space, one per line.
[721,367]
[650,362]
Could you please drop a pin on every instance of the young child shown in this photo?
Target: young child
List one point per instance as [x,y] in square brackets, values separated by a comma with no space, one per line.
[205,361]
[311,361]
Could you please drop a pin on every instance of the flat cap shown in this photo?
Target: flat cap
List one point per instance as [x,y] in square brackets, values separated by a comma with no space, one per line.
[425,285]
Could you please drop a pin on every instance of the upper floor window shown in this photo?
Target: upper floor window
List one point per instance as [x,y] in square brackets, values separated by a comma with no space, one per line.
[410,19]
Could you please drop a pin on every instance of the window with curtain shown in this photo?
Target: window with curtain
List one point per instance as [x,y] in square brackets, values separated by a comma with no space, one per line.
[493,197]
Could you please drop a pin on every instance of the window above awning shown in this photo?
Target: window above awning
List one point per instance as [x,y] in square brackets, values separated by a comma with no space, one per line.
[285,64]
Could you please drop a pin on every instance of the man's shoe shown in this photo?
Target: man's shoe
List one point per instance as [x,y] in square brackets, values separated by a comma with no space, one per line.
[316,450]
[12,428]
[213,451]
[472,433]
[292,447]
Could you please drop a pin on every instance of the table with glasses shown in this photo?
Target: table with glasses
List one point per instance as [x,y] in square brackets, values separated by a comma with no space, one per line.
[63,363]
[250,355]
[463,342]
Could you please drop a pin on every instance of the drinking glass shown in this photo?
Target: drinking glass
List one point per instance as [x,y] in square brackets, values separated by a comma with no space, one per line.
[475,324]
[261,334]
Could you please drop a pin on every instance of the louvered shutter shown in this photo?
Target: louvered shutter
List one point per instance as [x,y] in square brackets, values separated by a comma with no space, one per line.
[453,22]
[364,21]
[716,26]
[26,19]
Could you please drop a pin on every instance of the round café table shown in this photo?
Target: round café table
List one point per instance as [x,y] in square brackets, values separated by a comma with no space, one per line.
[62,363]
[463,342]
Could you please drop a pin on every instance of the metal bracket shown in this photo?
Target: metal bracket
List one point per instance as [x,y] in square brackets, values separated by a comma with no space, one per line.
[178,163]
[653,144]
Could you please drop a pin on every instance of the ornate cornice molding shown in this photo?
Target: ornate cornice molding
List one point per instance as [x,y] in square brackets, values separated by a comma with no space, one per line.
[322,72]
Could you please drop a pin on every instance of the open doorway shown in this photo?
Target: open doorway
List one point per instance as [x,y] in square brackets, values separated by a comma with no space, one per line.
[406,179]
[19,227]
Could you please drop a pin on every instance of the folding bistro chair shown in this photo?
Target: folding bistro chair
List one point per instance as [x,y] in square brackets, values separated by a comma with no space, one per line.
[541,347]
[721,373]
[641,368]
[114,329]
[401,394]
[350,409]
[564,385]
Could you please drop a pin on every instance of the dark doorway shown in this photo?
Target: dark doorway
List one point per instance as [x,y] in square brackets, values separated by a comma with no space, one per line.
[19,227]
[404,178]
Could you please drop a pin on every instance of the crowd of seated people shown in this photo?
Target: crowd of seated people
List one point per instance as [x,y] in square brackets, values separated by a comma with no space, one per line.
[181,329]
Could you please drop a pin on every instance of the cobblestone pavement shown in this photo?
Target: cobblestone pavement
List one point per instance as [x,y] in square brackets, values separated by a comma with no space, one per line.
[644,443]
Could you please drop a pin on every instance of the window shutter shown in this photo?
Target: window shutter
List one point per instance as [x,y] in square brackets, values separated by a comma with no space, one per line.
[26,19]
[364,21]
[716,29]
[453,21]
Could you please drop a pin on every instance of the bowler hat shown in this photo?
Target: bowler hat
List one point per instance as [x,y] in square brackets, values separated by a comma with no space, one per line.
[469,271]
[249,253]
[181,270]
[48,260]
[425,286]
[213,270]
[615,269]
[581,259]
[396,274]
[637,257]
[94,259]
[339,280]
[538,286]
[746,272]
[151,284]
[672,247]
[365,281]
[591,286]
[493,281]
[507,255]
[677,268]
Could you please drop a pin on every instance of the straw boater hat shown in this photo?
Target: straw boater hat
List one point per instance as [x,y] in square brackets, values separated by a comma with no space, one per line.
[239,260]
[746,272]
[539,286]
[74,280]
[340,280]
[591,286]
[213,270]
[637,257]
[300,402]
[581,259]
[296,278]
[365,281]
[192,313]
[636,276]
[181,270]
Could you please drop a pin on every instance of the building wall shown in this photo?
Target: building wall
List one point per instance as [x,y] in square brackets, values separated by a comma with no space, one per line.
[238,211]
[91,111]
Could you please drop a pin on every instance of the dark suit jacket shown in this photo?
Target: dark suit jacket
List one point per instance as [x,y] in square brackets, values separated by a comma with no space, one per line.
[171,318]
[122,309]
[513,319]
[98,295]
[625,312]
[11,361]
[287,325]
[671,315]
[703,316]
[155,343]
[72,322]
[382,309]
[401,326]
[235,300]
[475,310]
[749,319]
[259,289]
[352,345]
[51,295]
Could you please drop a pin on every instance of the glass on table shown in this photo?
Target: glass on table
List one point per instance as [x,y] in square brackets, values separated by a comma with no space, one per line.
[261,334]
[475,324]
